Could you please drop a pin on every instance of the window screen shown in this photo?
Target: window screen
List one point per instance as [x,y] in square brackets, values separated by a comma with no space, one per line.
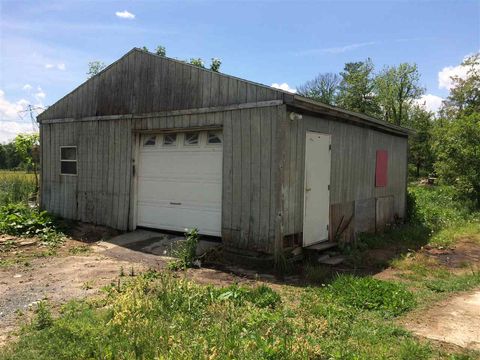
[68,160]
[381,168]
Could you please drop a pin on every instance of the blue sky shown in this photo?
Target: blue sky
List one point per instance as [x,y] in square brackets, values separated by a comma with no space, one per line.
[46,45]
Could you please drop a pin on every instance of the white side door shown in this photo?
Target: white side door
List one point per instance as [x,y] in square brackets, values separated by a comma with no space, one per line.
[317,188]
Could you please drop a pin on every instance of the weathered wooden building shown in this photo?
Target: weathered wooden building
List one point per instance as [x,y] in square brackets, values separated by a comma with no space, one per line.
[155,142]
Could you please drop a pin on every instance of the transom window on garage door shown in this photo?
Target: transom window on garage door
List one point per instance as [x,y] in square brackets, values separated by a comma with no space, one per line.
[182,139]
[214,137]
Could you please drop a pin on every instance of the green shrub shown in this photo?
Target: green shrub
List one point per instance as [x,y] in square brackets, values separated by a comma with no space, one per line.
[437,207]
[391,299]
[43,317]
[23,220]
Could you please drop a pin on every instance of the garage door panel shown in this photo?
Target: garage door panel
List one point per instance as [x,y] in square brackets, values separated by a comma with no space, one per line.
[175,190]
[180,187]
[207,221]
[186,163]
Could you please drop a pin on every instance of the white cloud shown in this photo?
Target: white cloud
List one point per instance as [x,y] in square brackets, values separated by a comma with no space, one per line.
[60,66]
[39,95]
[27,87]
[336,49]
[10,129]
[284,86]
[125,14]
[430,102]
[445,75]
[342,49]
[9,110]
[10,120]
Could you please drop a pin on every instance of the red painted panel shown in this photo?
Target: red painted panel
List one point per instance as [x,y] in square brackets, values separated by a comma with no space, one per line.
[381,168]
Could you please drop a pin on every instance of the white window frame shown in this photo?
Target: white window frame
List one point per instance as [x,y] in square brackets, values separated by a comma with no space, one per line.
[199,133]
[218,133]
[173,145]
[148,137]
[75,161]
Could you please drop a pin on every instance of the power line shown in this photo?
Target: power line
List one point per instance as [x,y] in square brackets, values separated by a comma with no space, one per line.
[32,110]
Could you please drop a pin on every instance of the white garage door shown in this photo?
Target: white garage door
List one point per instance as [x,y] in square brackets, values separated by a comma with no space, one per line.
[180,181]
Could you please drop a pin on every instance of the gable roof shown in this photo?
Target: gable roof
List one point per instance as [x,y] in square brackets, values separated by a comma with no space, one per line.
[141,82]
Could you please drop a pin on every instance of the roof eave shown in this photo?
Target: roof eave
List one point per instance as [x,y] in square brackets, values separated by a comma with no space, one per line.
[319,108]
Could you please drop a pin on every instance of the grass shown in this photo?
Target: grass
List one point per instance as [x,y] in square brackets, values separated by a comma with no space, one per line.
[163,315]
[16,187]
[388,298]
[160,315]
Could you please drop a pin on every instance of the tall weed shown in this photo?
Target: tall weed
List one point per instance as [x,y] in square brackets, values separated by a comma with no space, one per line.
[15,187]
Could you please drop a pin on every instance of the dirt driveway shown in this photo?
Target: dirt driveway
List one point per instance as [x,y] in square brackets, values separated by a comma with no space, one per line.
[71,275]
[65,276]
[455,321]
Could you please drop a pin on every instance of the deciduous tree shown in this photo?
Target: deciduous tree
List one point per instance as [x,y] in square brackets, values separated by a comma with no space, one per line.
[357,88]
[397,88]
[323,88]
[27,147]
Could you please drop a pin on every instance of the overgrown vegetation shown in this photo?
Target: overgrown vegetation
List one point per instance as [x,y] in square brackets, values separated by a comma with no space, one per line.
[162,315]
[435,215]
[16,187]
[23,220]
[390,299]
[19,214]
[185,251]
[157,315]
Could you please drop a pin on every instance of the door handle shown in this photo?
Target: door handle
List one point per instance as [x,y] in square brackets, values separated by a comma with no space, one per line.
[175,203]
[308,189]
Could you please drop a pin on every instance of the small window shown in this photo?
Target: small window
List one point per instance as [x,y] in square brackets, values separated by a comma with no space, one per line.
[170,140]
[191,138]
[68,160]
[214,138]
[150,140]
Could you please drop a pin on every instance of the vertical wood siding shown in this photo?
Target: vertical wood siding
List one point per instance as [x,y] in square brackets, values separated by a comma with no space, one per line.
[352,166]
[101,193]
[142,83]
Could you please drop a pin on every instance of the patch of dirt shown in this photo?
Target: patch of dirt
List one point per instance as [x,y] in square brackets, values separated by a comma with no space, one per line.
[79,269]
[465,252]
[455,321]
[90,233]
[56,279]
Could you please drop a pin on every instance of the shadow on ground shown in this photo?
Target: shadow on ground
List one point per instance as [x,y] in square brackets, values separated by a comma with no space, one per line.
[154,249]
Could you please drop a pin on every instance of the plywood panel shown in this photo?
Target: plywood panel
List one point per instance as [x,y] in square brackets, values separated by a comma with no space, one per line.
[384,212]
[365,215]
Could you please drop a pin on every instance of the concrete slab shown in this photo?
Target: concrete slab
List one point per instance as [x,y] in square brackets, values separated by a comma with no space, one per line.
[149,244]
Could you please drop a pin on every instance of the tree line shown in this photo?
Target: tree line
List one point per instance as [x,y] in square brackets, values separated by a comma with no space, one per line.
[94,67]
[445,144]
